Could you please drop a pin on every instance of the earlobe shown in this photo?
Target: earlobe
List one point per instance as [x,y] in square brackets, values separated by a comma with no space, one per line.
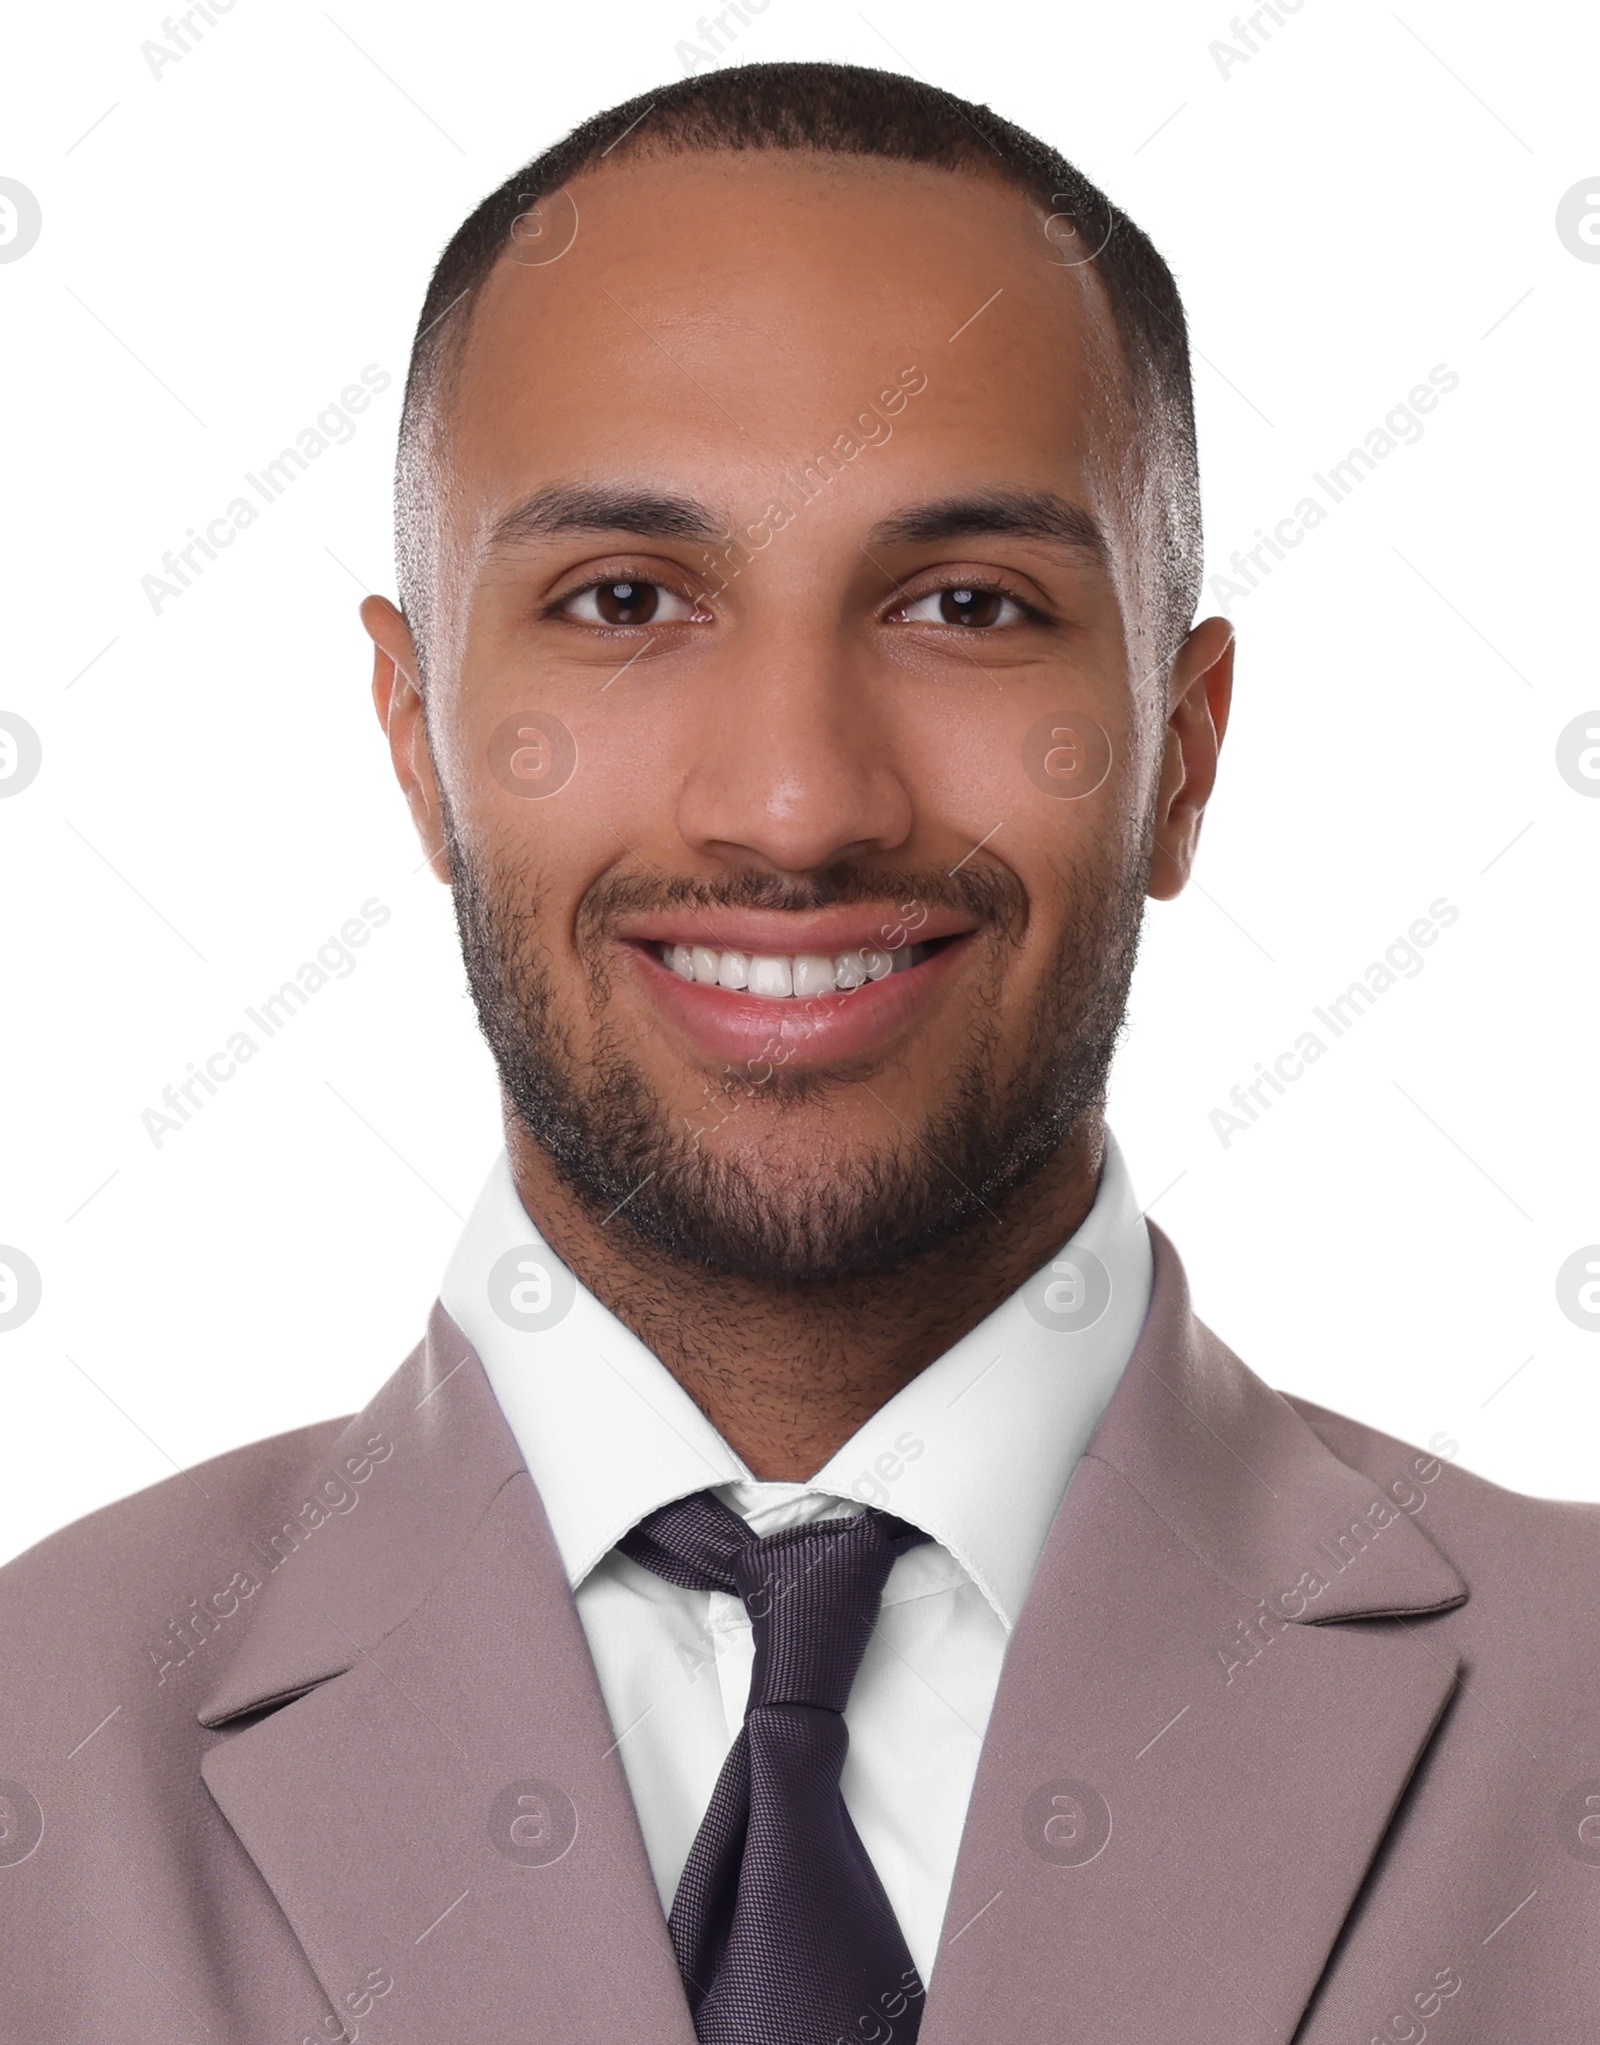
[397,699]
[1201,696]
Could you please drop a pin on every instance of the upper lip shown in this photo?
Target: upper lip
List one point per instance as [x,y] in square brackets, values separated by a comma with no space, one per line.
[789,933]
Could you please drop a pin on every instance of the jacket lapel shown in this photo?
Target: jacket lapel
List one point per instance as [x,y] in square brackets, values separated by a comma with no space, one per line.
[1213,1701]
[439,1809]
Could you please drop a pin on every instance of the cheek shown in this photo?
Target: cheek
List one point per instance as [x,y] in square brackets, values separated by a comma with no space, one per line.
[548,788]
[1049,776]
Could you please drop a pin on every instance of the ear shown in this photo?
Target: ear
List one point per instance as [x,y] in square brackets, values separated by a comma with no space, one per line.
[1200,694]
[397,697]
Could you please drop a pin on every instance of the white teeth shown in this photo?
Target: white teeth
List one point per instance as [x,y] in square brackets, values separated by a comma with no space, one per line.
[780,979]
[771,977]
[813,975]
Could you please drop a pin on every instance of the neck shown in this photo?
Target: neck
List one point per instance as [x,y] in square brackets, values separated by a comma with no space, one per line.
[786,1374]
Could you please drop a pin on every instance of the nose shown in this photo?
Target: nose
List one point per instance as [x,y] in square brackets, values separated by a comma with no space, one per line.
[795,768]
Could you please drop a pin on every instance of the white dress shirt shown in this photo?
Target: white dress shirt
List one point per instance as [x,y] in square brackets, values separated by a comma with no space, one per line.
[976,1451]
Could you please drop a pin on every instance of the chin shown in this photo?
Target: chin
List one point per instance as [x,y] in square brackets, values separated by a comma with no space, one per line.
[761,1214]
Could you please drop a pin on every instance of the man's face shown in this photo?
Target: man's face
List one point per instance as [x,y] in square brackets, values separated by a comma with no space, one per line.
[797,744]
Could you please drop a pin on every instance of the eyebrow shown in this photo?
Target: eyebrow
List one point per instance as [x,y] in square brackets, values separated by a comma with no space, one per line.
[660,515]
[597,508]
[1007,514]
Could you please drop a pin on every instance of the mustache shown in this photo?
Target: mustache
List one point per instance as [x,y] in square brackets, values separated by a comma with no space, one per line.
[991,894]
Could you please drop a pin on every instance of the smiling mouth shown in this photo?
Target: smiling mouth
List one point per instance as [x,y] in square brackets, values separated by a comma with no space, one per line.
[798,976]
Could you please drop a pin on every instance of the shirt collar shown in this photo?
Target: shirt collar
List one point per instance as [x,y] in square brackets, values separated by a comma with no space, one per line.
[976,1450]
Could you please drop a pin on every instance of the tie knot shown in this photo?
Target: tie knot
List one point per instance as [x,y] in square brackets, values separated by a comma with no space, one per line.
[812,1591]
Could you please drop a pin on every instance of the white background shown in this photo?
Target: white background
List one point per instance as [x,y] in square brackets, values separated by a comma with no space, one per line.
[228,245]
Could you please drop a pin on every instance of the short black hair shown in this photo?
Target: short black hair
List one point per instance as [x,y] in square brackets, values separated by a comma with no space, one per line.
[844,110]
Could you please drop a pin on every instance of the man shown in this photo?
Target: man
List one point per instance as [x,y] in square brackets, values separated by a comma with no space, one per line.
[816,1580]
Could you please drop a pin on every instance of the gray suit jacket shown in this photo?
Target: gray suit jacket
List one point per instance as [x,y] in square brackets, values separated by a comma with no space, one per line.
[1298,1738]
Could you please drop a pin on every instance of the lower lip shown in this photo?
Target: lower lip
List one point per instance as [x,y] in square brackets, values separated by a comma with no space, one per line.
[827,1029]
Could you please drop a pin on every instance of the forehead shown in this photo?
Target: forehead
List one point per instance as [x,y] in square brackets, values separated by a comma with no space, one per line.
[729,313]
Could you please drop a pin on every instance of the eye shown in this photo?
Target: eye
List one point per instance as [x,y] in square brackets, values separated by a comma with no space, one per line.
[626,600]
[967,604]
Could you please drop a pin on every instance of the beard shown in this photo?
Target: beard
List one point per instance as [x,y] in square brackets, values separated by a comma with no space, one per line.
[777,1211]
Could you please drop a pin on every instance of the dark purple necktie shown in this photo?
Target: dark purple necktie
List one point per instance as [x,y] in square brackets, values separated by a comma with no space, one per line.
[782,1930]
